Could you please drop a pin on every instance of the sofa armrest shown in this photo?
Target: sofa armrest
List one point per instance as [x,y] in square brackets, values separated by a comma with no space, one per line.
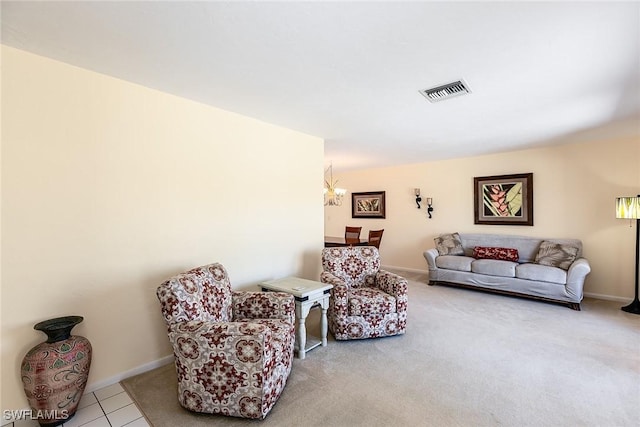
[575,278]
[263,305]
[430,255]
[339,293]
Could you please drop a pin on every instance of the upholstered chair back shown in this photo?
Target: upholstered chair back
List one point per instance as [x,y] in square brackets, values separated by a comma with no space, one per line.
[355,265]
[203,293]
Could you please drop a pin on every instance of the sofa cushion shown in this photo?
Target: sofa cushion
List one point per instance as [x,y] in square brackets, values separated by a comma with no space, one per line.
[494,267]
[449,244]
[487,252]
[541,273]
[556,254]
[454,262]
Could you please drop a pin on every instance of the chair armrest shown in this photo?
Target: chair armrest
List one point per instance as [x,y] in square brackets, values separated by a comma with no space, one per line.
[391,283]
[395,285]
[332,279]
[339,295]
[263,305]
[575,278]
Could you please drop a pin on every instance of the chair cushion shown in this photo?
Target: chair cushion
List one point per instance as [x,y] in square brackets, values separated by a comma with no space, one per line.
[365,300]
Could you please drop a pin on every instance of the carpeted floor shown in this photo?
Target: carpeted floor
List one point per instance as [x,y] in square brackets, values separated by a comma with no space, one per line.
[468,359]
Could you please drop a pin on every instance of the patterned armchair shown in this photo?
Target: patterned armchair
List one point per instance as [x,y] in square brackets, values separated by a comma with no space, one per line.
[233,350]
[366,302]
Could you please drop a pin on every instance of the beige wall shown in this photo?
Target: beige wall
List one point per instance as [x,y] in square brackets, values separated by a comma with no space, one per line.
[575,186]
[108,188]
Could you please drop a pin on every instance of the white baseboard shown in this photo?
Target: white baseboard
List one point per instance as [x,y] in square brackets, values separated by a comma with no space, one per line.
[607,297]
[130,373]
[410,270]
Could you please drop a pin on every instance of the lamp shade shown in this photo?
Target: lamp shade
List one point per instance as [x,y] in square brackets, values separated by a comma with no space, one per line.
[628,207]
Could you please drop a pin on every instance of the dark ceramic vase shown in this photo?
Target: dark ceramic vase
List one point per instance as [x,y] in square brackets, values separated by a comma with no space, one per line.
[55,372]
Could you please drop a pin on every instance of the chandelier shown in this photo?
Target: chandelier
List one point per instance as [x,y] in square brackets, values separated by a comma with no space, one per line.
[332,194]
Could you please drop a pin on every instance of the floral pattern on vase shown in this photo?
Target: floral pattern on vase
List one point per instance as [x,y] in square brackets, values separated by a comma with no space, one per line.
[54,373]
[366,302]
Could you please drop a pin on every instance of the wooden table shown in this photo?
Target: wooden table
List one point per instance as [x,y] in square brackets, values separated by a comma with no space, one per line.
[307,293]
[332,242]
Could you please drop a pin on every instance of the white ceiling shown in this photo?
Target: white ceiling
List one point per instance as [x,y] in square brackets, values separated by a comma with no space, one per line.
[350,72]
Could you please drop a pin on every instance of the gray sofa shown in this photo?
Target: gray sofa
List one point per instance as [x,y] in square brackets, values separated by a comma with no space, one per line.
[533,275]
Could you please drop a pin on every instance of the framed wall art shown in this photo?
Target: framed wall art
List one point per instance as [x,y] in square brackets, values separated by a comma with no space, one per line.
[503,199]
[368,205]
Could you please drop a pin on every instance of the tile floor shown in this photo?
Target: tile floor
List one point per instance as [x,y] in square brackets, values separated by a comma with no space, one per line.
[107,407]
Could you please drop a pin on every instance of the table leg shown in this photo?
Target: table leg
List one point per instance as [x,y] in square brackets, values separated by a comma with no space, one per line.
[323,321]
[301,333]
[324,327]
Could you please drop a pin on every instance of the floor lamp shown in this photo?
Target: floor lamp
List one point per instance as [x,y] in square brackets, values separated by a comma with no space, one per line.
[629,207]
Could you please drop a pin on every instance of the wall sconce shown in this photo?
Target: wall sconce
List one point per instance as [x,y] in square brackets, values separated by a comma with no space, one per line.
[418,198]
[429,206]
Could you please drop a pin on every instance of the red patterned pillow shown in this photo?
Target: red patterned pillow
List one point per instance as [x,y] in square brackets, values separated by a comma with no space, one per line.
[504,254]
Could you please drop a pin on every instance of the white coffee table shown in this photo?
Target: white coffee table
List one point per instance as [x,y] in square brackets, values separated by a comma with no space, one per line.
[307,293]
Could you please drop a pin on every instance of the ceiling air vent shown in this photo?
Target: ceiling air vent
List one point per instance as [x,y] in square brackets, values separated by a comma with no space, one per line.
[447,91]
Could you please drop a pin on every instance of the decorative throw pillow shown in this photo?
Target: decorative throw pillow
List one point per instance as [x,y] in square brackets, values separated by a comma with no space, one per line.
[503,254]
[556,254]
[449,244]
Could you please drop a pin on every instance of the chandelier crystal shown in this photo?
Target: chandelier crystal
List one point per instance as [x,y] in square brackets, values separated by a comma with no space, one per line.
[332,195]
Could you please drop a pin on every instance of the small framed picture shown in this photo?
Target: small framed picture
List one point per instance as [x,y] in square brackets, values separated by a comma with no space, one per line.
[503,199]
[369,204]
